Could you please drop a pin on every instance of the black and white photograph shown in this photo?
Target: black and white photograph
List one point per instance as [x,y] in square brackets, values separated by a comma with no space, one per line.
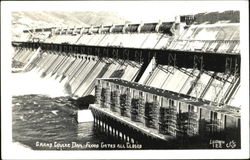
[125,79]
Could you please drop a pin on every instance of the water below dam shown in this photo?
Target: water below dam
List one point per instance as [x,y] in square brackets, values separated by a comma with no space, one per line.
[45,118]
[42,122]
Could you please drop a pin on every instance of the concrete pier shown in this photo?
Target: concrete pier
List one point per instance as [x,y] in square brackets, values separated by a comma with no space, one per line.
[166,115]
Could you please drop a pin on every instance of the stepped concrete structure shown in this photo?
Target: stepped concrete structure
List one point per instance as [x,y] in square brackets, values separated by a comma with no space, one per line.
[155,80]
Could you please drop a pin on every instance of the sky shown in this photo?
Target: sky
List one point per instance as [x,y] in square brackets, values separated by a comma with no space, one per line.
[136,11]
[166,11]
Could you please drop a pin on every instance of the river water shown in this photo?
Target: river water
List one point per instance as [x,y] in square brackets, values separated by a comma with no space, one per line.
[44,117]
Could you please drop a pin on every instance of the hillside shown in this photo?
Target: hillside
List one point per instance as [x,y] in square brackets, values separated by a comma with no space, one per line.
[25,20]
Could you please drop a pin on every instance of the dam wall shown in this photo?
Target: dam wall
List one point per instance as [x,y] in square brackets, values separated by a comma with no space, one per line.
[203,61]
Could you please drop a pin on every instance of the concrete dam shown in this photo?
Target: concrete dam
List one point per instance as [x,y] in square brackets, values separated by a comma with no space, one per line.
[153,82]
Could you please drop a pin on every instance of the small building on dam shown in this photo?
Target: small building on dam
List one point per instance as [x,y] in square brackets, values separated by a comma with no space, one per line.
[154,84]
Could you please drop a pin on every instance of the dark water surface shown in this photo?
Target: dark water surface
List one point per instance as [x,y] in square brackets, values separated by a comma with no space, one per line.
[45,123]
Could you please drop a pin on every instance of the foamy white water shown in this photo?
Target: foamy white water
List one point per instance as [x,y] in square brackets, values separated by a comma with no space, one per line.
[84,116]
[32,83]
